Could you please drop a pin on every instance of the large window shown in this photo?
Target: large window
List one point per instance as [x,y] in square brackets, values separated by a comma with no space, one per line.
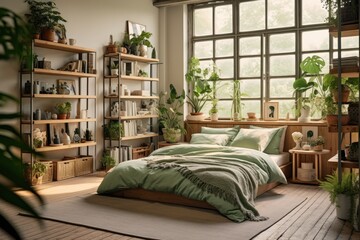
[261,43]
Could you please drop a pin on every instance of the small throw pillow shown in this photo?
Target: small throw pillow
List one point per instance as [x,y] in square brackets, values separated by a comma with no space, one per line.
[276,144]
[253,138]
[231,132]
[215,139]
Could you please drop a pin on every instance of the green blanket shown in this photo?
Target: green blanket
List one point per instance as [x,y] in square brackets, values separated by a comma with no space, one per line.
[225,177]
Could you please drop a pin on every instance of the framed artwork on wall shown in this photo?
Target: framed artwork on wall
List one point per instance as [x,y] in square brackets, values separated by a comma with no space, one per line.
[271,111]
[309,133]
[135,28]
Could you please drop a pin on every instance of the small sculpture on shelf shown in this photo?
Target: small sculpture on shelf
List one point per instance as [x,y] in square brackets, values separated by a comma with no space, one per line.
[77,137]
[88,135]
[65,139]
[297,137]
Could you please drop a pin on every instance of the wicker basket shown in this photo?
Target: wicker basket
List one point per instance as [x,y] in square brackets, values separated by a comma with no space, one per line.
[140,152]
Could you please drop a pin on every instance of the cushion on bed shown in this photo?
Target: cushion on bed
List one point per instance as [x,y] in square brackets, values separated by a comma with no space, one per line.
[232,132]
[253,138]
[215,139]
[276,144]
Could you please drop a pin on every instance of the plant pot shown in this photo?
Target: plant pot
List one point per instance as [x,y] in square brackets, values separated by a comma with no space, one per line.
[333,119]
[214,116]
[305,114]
[36,36]
[343,206]
[62,116]
[114,72]
[318,147]
[196,116]
[344,94]
[62,41]
[143,50]
[48,34]
[111,48]
[36,180]
[172,135]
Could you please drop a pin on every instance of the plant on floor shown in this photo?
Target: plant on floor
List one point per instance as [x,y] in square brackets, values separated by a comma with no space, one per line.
[348,186]
[13,42]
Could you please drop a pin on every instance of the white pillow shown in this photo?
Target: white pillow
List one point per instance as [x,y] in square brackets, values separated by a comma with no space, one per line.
[215,139]
[253,138]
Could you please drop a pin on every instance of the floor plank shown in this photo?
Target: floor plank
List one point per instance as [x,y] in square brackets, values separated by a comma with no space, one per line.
[314,219]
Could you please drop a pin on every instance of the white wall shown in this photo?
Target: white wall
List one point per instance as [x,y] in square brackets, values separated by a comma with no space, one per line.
[90,22]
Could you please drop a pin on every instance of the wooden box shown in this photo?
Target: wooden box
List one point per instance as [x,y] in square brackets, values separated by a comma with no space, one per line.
[48,177]
[83,164]
[140,152]
[64,169]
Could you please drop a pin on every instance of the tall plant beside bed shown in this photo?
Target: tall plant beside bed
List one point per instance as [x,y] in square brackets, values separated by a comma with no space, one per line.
[14,42]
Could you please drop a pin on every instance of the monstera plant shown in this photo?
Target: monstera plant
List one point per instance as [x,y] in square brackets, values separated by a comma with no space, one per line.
[14,42]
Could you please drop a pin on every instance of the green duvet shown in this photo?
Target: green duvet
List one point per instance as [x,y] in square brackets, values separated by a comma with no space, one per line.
[225,177]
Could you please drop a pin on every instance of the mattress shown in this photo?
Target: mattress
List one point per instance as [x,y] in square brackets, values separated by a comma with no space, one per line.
[280,159]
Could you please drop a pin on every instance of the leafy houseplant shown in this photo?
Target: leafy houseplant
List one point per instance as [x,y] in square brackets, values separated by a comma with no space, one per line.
[318,143]
[140,41]
[14,40]
[236,103]
[198,85]
[107,161]
[349,11]
[342,192]
[44,18]
[170,114]
[113,130]
[214,77]
[63,109]
[115,68]
[38,170]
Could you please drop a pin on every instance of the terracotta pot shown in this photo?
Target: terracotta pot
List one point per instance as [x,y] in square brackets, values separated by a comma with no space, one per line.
[318,147]
[36,36]
[344,94]
[48,34]
[111,48]
[332,119]
[61,116]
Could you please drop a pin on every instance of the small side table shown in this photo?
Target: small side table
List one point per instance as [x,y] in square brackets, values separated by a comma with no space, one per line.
[165,144]
[296,163]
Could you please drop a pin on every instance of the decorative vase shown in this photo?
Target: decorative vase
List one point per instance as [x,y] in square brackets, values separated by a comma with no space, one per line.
[305,114]
[143,50]
[114,72]
[297,145]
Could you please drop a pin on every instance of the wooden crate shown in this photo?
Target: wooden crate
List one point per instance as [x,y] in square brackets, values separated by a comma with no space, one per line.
[48,177]
[140,152]
[64,169]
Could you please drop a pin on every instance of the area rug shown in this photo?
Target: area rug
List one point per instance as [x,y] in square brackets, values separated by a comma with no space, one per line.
[153,220]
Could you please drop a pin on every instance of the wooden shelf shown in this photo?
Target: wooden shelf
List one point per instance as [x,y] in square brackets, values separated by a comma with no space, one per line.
[333,162]
[345,129]
[130,57]
[62,73]
[133,78]
[62,47]
[60,96]
[140,136]
[133,97]
[132,117]
[62,147]
[350,30]
[58,121]
[346,71]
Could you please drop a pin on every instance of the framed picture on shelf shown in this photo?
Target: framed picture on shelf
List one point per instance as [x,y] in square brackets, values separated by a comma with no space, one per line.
[271,111]
[135,28]
[66,87]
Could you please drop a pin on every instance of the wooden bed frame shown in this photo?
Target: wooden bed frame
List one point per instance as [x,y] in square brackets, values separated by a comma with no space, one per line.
[163,197]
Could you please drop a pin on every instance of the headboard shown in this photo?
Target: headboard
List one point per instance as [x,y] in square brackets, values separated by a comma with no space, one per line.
[292,126]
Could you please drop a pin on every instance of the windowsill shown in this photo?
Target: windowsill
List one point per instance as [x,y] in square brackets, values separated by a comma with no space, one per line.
[260,122]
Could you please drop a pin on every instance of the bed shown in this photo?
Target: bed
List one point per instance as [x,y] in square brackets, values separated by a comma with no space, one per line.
[205,173]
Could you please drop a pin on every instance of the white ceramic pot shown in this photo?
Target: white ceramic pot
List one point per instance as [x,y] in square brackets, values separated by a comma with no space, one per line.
[305,114]
[214,117]
[197,117]
[343,206]
[114,72]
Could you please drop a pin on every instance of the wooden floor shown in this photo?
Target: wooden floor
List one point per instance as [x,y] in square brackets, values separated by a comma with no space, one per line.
[314,219]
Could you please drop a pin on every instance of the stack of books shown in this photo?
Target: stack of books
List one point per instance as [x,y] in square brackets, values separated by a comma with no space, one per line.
[352,61]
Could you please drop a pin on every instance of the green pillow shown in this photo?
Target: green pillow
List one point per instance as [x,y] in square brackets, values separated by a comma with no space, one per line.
[232,132]
[253,138]
[215,139]
[276,144]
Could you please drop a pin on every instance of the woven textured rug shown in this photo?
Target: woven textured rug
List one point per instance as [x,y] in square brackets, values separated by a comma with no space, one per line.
[153,220]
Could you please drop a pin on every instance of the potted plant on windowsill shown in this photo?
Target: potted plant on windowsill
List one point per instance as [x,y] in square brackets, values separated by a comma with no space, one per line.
[342,193]
[199,87]
[170,115]
[214,77]
[44,18]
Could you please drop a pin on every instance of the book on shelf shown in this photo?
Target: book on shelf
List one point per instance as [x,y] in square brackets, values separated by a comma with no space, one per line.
[347,61]
[130,128]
